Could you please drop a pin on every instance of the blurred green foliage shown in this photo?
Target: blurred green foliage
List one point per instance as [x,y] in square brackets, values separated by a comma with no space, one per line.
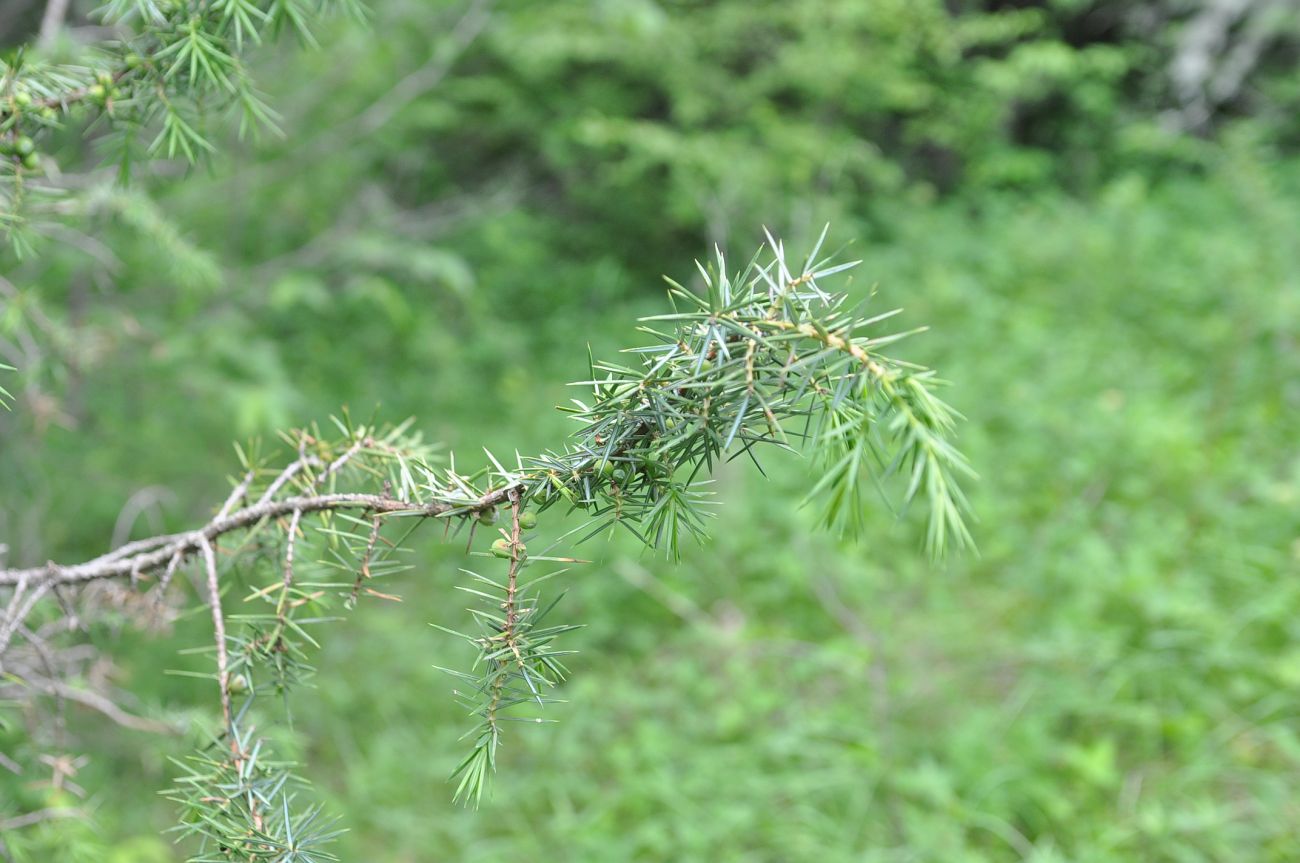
[1113,677]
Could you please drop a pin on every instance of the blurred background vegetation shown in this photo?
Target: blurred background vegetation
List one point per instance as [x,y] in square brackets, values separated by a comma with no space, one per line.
[1094,205]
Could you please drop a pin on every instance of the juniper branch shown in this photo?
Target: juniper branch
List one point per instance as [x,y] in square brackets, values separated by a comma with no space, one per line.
[161,549]
[766,357]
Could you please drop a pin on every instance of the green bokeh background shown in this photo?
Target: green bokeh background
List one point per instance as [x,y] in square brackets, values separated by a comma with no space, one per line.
[1113,677]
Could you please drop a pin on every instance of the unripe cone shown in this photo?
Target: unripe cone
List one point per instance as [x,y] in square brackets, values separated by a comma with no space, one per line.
[501,548]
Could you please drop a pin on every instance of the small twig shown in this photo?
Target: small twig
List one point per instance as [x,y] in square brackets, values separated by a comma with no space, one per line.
[139,545]
[290,541]
[339,462]
[163,550]
[139,504]
[69,611]
[219,633]
[512,578]
[12,610]
[236,495]
[288,473]
[166,580]
[30,818]
[16,614]
[421,80]
[363,572]
[104,705]
[52,21]
[42,649]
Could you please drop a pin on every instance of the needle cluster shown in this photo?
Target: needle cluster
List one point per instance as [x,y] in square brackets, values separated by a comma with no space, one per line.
[174,68]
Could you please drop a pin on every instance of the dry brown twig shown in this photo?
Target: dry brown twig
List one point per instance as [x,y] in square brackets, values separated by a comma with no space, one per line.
[40,665]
